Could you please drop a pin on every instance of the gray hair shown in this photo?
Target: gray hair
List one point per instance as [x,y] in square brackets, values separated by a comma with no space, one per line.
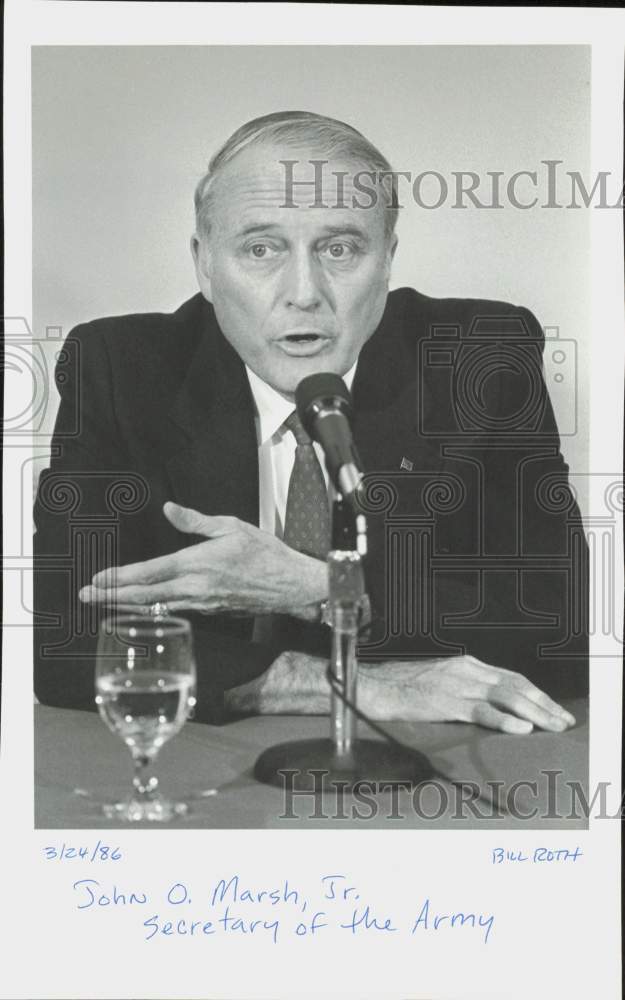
[326,135]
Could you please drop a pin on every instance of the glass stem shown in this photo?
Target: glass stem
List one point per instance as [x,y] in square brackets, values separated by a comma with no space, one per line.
[144,782]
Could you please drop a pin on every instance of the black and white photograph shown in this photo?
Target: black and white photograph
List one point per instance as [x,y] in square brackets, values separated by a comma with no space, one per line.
[336,475]
[312,440]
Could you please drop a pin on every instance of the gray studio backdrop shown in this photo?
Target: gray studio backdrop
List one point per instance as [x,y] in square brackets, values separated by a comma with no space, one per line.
[122,134]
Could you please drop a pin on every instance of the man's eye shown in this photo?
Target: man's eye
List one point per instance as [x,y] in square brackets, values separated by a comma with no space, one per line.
[340,251]
[262,251]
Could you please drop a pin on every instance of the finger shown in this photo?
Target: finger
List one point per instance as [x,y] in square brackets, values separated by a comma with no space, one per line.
[491,717]
[192,522]
[151,571]
[137,595]
[534,694]
[129,609]
[497,675]
[514,700]
[145,610]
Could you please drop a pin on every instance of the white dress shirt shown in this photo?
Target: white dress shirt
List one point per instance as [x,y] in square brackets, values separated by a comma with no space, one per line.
[276,451]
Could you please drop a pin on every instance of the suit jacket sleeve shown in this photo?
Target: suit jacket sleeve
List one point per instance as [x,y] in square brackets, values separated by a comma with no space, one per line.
[89,514]
[503,573]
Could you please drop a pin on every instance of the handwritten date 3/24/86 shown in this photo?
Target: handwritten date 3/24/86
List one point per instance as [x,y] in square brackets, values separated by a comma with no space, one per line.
[538,855]
[69,852]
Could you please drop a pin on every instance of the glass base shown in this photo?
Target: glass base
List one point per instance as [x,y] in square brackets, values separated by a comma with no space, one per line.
[155,809]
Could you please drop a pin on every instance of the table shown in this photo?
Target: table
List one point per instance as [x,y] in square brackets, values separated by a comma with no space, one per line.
[78,762]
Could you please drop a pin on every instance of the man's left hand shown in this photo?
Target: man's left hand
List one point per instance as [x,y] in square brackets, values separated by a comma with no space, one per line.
[238,569]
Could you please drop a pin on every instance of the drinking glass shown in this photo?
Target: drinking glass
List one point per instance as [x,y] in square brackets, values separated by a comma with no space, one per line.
[145,691]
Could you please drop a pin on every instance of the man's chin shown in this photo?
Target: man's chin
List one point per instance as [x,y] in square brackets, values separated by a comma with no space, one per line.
[287,380]
[310,366]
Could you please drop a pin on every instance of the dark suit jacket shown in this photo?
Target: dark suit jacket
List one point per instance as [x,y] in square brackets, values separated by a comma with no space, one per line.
[475,542]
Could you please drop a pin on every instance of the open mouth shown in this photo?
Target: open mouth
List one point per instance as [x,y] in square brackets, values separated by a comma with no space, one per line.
[304,342]
[302,338]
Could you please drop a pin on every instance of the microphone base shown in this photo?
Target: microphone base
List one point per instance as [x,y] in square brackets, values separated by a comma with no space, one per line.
[314,766]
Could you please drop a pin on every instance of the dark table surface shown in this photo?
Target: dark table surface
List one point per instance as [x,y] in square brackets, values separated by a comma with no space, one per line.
[78,763]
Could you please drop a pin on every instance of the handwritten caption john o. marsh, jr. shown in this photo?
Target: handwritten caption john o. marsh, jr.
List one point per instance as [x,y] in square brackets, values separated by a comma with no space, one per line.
[230,907]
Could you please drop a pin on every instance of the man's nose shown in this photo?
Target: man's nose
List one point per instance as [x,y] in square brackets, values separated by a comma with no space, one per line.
[303,286]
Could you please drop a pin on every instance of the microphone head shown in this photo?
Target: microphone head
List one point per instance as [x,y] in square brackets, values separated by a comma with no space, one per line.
[320,391]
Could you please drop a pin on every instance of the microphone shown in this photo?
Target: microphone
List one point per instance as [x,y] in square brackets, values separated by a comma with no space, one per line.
[324,407]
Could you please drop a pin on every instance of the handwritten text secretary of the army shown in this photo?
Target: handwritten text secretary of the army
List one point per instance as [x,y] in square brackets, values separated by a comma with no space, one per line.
[233,908]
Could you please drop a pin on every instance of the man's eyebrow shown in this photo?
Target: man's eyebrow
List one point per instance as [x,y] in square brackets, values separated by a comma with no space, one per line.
[329,230]
[258,227]
[345,230]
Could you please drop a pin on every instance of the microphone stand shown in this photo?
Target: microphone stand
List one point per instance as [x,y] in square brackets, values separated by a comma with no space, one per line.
[343,758]
[346,600]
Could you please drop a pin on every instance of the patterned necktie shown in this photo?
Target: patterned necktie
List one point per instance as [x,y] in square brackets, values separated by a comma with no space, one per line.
[307,518]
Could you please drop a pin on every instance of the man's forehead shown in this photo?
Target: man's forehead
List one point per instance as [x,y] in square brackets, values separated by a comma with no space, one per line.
[257,185]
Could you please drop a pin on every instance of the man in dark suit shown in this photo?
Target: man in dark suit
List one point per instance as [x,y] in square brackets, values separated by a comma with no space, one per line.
[172,460]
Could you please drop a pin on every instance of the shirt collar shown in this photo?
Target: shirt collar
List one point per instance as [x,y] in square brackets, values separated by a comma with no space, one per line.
[272,408]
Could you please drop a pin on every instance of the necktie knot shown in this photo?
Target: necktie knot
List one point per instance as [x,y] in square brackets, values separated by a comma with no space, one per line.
[294,424]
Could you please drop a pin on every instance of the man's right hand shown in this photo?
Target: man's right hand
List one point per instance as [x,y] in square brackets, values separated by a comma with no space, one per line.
[452,689]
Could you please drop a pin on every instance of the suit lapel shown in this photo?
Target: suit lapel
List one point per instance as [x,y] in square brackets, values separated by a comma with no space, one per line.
[215,469]
[388,396]
[213,466]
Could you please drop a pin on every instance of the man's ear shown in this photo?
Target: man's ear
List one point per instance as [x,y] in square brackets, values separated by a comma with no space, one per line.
[201,259]
[390,253]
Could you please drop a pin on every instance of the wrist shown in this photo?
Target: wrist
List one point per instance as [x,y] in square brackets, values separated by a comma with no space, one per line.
[310,588]
[294,683]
